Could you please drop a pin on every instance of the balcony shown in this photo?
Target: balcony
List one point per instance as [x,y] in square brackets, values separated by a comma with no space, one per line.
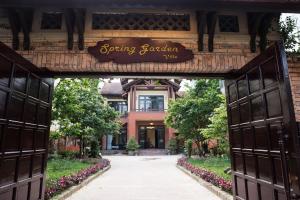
[150,110]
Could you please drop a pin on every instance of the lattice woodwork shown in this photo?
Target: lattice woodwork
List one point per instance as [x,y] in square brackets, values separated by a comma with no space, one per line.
[51,20]
[228,23]
[136,21]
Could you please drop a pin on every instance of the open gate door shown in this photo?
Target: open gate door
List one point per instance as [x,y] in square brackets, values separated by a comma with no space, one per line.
[25,107]
[262,129]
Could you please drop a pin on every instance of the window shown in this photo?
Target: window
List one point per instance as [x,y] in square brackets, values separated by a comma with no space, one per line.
[140,21]
[228,23]
[117,141]
[151,103]
[120,106]
[51,20]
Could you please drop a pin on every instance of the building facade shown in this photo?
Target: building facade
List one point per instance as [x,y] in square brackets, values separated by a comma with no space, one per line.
[142,105]
[224,36]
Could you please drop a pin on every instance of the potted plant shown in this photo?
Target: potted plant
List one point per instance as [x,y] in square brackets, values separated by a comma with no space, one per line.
[132,147]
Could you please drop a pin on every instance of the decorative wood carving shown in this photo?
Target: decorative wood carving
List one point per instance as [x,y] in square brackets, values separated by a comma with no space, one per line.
[201,22]
[26,17]
[15,27]
[229,23]
[211,27]
[141,21]
[80,22]
[264,29]
[254,21]
[20,19]
[70,21]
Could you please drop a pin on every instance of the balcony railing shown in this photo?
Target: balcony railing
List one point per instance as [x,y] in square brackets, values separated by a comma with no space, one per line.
[150,110]
[124,114]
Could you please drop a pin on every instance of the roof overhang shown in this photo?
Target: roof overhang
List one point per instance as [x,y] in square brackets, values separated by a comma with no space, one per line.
[245,5]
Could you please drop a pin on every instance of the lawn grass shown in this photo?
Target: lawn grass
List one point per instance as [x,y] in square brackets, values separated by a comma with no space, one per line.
[58,167]
[213,164]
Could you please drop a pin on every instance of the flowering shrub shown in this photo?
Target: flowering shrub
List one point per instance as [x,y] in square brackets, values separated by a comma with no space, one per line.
[67,181]
[206,175]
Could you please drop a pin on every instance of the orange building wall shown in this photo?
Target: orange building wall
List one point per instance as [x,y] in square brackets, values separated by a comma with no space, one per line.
[147,117]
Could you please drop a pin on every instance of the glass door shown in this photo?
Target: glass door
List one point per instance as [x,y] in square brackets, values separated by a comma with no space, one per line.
[142,135]
[160,137]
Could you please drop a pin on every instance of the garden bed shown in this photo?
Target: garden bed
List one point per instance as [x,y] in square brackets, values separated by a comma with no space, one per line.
[56,185]
[215,164]
[211,177]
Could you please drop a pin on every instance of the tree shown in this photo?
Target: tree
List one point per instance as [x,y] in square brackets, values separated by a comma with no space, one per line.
[290,34]
[190,114]
[80,111]
[218,128]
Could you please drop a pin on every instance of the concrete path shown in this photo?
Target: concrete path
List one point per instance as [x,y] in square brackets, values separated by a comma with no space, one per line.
[143,178]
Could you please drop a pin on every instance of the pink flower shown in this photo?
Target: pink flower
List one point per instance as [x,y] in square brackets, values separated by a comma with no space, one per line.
[206,175]
[68,181]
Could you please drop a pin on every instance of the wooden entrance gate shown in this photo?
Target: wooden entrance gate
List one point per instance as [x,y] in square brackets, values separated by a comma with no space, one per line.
[263,135]
[25,107]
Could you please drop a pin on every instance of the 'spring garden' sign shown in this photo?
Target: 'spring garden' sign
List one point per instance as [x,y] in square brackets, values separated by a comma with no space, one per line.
[138,50]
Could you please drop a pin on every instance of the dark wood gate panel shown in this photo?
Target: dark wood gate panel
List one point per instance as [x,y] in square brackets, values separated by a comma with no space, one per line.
[262,129]
[25,107]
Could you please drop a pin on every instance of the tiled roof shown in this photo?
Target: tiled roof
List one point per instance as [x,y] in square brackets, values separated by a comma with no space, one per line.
[112,89]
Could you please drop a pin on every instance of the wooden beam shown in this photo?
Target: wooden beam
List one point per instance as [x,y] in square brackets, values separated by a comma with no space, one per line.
[264,29]
[70,21]
[212,5]
[15,27]
[80,22]
[201,22]
[211,27]
[254,21]
[26,17]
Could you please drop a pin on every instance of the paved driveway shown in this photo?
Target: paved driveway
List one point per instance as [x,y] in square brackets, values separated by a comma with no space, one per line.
[143,178]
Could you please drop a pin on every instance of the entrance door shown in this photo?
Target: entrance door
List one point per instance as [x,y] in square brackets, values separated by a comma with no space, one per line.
[262,129]
[150,137]
[25,107]
[160,137]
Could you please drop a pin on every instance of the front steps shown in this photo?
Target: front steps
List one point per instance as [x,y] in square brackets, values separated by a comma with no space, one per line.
[152,152]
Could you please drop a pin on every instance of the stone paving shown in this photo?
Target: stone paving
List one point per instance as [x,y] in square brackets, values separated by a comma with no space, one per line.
[143,178]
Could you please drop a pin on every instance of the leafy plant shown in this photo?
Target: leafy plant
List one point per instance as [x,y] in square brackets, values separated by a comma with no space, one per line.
[218,129]
[80,111]
[290,34]
[191,113]
[132,145]
[95,148]
[172,145]
[188,147]
[69,154]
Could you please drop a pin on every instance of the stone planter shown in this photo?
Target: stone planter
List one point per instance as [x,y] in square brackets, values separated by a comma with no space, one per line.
[132,153]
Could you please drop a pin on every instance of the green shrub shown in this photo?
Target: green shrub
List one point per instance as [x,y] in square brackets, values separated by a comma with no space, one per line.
[172,146]
[132,145]
[188,147]
[69,154]
[95,149]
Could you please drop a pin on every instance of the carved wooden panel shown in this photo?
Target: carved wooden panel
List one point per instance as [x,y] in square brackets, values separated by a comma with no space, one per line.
[228,23]
[51,20]
[137,21]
